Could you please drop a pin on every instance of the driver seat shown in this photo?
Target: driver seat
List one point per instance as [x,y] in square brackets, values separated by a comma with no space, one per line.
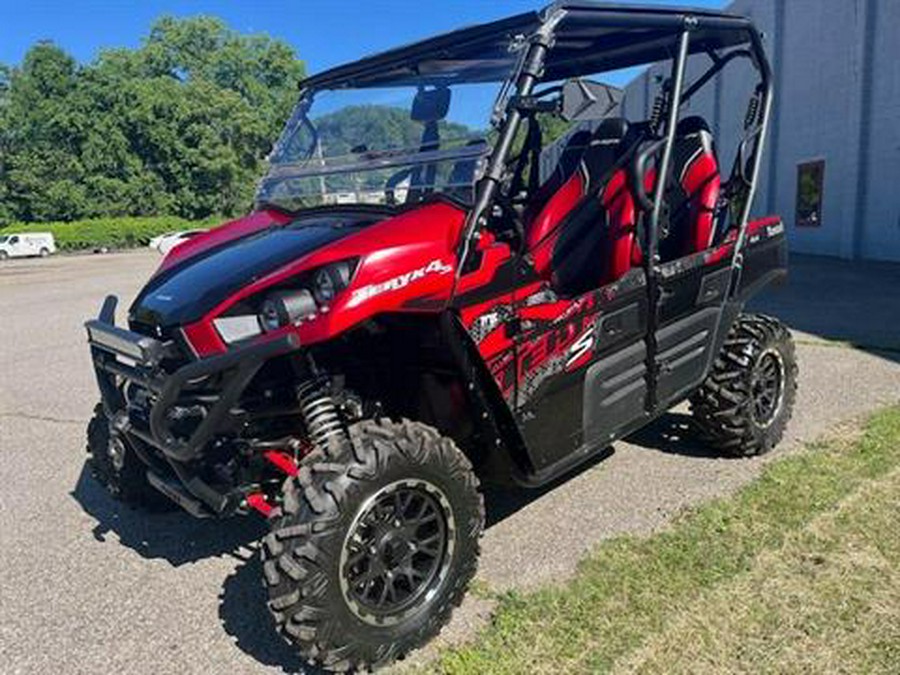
[584,236]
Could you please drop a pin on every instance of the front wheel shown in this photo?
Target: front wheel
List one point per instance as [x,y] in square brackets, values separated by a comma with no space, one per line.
[746,401]
[116,466]
[374,546]
[4,255]
[44,252]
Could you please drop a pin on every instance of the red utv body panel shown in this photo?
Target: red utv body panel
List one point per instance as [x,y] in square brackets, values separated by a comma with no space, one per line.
[406,263]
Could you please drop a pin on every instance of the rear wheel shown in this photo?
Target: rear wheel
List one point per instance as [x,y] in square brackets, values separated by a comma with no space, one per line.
[4,255]
[116,466]
[746,401]
[374,546]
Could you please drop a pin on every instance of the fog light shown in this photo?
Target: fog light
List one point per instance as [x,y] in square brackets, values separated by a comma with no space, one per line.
[288,307]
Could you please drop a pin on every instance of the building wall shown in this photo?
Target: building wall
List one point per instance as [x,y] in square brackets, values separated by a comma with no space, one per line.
[881,218]
[837,99]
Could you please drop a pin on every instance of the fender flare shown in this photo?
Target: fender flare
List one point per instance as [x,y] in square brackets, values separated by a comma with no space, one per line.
[508,461]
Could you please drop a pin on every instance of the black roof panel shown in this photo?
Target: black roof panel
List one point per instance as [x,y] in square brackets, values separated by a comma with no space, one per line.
[591,37]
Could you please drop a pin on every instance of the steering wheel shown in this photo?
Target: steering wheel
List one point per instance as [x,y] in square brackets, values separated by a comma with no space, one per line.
[512,217]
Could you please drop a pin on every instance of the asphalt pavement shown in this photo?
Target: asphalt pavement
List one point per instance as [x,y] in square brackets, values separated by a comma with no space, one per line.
[87,585]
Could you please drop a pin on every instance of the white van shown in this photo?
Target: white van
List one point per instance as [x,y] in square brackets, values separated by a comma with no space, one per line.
[29,244]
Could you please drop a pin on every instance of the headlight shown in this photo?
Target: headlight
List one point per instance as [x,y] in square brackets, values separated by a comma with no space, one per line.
[332,279]
[286,307]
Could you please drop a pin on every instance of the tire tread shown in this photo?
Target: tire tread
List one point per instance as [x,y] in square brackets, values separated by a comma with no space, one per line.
[722,406]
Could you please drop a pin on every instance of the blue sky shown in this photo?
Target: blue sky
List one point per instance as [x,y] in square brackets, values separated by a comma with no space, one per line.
[324,32]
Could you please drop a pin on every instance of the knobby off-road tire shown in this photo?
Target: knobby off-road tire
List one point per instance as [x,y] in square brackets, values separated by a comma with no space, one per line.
[346,501]
[746,401]
[126,477]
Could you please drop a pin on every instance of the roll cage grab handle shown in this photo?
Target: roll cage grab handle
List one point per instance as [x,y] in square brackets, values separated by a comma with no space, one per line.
[528,76]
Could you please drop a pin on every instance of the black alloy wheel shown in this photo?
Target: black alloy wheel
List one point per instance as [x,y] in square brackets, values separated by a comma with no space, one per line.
[374,544]
[767,387]
[397,551]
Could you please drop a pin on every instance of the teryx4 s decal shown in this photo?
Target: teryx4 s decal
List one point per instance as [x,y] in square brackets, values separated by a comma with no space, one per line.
[565,344]
[361,295]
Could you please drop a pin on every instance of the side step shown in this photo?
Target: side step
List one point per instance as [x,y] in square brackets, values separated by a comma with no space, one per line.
[174,491]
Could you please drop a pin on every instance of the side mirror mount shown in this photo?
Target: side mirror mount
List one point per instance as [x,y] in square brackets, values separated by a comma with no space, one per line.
[584,100]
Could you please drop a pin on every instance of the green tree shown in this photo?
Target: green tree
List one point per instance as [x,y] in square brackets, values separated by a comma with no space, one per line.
[178,126]
[6,212]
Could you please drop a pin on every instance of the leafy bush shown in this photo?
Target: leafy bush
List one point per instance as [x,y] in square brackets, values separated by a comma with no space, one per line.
[110,232]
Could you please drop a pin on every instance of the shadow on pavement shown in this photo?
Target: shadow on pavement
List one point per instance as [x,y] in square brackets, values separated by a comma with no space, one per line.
[172,536]
[856,302]
[500,502]
[674,434]
[179,538]
[244,616]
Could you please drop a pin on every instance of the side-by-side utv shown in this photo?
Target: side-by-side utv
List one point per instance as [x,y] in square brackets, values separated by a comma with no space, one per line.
[463,266]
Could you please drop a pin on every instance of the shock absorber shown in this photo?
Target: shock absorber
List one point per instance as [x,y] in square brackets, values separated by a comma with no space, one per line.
[752,110]
[660,106]
[320,413]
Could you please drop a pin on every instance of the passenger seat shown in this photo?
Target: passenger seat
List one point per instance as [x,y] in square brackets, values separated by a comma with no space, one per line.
[693,192]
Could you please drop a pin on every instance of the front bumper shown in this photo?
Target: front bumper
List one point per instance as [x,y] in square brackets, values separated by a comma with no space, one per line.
[122,357]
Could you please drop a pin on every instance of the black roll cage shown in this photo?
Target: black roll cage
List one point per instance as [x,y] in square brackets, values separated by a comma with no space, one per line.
[679,27]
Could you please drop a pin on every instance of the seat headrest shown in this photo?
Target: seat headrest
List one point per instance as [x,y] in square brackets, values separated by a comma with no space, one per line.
[612,128]
[605,147]
[693,137]
[637,132]
[572,152]
[692,125]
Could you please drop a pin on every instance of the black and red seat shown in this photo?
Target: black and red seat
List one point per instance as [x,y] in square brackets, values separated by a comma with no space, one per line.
[583,236]
[692,194]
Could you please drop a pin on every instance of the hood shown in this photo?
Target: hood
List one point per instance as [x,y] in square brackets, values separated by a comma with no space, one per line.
[185,291]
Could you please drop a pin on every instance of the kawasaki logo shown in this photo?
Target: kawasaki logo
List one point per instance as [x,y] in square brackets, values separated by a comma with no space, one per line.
[360,295]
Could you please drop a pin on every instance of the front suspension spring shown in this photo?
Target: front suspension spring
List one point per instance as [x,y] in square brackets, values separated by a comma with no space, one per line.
[320,413]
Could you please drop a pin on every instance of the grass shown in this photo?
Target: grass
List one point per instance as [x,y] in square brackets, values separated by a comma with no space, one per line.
[798,572]
[110,232]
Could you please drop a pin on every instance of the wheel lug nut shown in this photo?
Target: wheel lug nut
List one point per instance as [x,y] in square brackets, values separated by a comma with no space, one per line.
[373,550]
[396,522]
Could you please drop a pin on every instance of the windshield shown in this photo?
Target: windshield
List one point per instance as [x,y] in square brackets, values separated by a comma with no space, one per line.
[3,240]
[391,145]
